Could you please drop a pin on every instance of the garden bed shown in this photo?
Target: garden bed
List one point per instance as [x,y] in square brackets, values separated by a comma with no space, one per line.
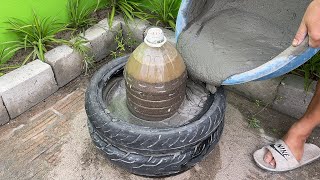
[35,81]
[41,34]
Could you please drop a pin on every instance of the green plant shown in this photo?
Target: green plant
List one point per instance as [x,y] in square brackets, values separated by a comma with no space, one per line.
[274,130]
[164,12]
[3,59]
[123,44]
[258,102]
[80,14]
[310,70]
[2,56]
[78,44]
[120,46]
[279,98]
[129,8]
[37,35]
[253,122]
[130,42]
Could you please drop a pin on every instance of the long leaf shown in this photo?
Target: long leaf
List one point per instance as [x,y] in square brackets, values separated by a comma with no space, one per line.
[27,58]
[111,16]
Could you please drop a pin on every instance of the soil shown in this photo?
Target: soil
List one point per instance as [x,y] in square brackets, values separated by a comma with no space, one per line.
[65,35]
[100,14]
[16,60]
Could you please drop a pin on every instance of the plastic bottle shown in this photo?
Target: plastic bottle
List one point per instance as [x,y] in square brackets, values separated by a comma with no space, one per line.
[155,76]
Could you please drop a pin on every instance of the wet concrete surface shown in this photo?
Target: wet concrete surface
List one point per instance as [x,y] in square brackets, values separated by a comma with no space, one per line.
[236,36]
[51,141]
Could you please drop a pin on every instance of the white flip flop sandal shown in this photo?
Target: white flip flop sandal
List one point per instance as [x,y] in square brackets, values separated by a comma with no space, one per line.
[285,160]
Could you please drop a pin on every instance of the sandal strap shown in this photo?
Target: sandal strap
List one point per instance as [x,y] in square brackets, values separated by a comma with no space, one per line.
[282,155]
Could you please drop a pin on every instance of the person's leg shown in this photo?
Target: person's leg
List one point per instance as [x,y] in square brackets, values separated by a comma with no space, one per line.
[301,130]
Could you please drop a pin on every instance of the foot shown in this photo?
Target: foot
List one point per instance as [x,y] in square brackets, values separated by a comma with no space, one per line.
[295,139]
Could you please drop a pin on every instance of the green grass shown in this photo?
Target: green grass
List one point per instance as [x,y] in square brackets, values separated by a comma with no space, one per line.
[79,14]
[163,12]
[130,9]
[310,71]
[253,122]
[37,34]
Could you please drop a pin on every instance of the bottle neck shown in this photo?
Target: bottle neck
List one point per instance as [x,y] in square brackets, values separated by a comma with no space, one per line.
[157,44]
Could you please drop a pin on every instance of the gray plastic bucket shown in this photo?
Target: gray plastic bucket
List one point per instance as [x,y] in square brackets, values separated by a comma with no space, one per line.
[235,41]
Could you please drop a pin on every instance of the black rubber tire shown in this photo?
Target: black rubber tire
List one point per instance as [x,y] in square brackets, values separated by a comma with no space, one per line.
[146,139]
[156,165]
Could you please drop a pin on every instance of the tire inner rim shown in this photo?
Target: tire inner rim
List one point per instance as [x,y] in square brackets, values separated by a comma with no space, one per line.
[195,104]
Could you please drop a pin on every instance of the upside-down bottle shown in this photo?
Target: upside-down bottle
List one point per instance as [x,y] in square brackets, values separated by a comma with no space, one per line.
[155,77]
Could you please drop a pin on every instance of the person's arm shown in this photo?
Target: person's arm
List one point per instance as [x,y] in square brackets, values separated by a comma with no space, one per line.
[310,25]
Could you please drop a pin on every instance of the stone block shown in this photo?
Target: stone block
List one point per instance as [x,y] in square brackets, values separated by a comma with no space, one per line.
[66,64]
[101,38]
[135,29]
[292,99]
[265,91]
[4,116]
[26,86]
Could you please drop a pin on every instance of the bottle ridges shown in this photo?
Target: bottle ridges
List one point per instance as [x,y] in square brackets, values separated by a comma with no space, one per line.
[155,102]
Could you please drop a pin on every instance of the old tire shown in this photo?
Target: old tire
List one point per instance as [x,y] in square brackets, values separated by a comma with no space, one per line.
[156,165]
[145,139]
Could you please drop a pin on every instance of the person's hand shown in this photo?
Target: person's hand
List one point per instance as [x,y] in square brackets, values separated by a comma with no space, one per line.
[310,26]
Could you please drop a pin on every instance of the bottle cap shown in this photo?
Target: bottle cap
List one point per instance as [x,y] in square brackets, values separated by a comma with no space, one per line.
[155,37]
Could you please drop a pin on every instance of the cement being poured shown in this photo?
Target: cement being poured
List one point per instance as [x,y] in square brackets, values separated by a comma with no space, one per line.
[237,36]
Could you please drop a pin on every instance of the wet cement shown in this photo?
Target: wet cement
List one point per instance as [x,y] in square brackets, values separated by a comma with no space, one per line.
[191,108]
[237,36]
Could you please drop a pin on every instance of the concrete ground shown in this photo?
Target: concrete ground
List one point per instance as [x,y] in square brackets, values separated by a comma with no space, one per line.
[51,141]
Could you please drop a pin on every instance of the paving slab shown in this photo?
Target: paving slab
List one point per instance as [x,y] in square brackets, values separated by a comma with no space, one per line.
[54,143]
[27,86]
[101,38]
[135,29]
